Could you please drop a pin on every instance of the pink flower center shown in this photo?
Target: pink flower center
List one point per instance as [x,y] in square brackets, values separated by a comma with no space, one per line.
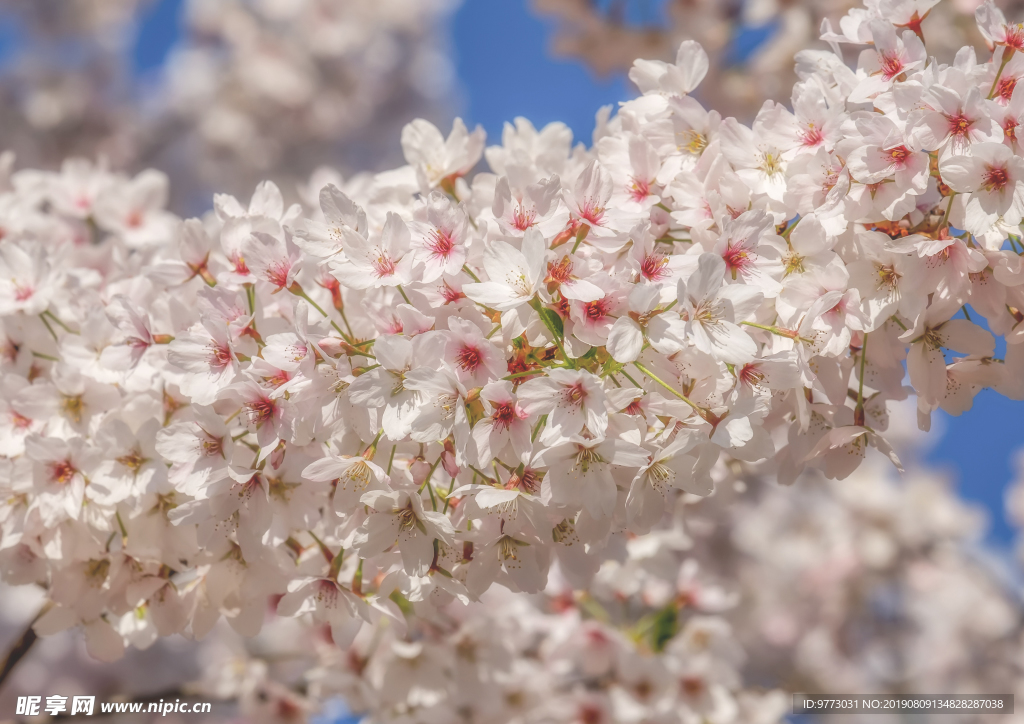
[899,156]
[751,375]
[20,421]
[639,189]
[812,136]
[523,219]
[1015,36]
[574,394]
[260,410]
[211,446]
[995,178]
[395,326]
[62,471]
[441,243]
[1005,88]
[737,258]
[591,212]
[596,311]
[504,414]
[528,482]
[219,357]
[449,293]
[469,358]
[23,293]
[134,219]
[277,273]
[652,268]
[383,265]
[278,378]
[239,261]
[959,125]
[561,272]
[1010,129]
[892,65]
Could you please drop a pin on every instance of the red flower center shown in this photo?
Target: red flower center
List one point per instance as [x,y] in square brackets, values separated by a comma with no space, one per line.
[220,357]
[959,125]
[62,471]
[737,258]
[639,189]
[1005,88]
[383,265]
[596,311]
[898,156]
[574,394]
[561,272]
[469,358]
[504,414]
[1015,36]
[260,410]
[750,375]
[996,178]
[812,136]
[450,294]
[277,273]
[892,66]
[652,268]
[591,212]
[523,219]
[441,243]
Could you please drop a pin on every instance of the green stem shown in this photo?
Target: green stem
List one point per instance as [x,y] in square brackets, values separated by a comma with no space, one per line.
[536,428]
[298,291]
[669,387]
[787,333]
[469,272]
[391,459]
[537,306]
[448,496]
[57,320]
[580,236]
[1007,54]
[860,387]
[949,207]
[527,373]
[49,328]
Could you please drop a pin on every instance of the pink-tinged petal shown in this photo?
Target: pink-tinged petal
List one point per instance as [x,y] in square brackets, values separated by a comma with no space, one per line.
[963,174]
[927,369]
[966,337]
[625,340]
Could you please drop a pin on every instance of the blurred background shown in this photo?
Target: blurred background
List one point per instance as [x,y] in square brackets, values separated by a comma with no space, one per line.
[220,94]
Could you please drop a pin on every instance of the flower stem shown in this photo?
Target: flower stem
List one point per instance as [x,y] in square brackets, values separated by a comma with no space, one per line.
[700,411]
[858,415]
[470,274]
[298,291]
[1007,54]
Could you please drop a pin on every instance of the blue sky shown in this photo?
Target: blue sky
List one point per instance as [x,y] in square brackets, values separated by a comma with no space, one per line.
[506,70]
[511,73]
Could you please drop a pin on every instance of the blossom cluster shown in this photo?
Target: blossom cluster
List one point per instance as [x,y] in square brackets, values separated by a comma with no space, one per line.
[751,43]
[443,380]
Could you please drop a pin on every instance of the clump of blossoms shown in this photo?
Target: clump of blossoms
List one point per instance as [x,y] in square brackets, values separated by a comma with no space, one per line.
[441,381]
[751,44]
